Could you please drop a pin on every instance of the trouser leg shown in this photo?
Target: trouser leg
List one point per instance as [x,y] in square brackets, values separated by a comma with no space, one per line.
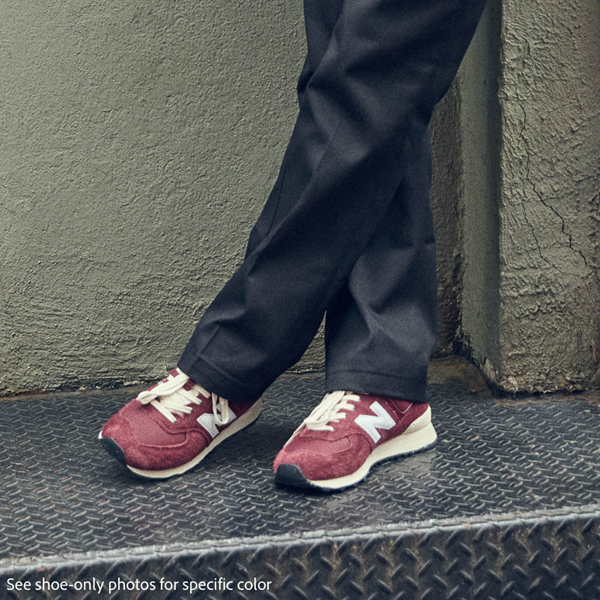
[368,100]
[381,328]
[320,19]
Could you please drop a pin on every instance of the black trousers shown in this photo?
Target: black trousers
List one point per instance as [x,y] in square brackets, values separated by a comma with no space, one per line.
[347,229]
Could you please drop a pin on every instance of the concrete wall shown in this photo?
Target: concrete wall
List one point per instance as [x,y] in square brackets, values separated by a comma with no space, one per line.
[139,142]
[530,312]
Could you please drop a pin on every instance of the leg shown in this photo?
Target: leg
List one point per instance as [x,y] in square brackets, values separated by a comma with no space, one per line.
[384,320]
[171,427]
[379,335]
[320,19]
[365,106]
[381,328]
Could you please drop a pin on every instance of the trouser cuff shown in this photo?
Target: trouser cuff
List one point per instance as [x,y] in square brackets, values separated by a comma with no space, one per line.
[414,390]
[214,380]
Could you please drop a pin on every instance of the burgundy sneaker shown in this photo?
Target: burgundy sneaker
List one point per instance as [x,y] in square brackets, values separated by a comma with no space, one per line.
[346,434]
[172,426]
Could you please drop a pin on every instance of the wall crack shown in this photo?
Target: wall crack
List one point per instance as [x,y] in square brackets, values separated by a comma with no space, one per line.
[540,197]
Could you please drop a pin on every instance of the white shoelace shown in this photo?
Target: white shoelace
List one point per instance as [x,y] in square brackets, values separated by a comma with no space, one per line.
[329,410]
[170,399]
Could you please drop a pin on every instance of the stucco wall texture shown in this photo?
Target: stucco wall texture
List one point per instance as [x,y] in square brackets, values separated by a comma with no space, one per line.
[139,142]
[550,196]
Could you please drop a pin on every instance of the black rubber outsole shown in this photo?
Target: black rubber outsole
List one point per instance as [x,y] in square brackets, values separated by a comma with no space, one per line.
[117,453]
[292,476]
[114,449]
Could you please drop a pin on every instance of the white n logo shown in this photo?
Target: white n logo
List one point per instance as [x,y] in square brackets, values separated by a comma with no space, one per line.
[369,423]
[207,420]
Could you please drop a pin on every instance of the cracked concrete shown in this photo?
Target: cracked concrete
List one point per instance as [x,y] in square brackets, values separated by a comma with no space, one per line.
[549,90]
[528,155]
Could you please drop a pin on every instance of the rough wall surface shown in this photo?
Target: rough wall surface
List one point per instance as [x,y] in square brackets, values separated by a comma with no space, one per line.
[480,135]
[445,198]
[550,197]
[139,141]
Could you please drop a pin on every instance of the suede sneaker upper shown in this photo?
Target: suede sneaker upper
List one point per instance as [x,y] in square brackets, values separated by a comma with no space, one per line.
[346,434]
[169,428]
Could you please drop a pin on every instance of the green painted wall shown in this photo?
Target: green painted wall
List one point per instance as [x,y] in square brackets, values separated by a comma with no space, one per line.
[138,143]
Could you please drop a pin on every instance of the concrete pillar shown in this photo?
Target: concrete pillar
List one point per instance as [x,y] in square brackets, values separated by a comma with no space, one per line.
[531,247]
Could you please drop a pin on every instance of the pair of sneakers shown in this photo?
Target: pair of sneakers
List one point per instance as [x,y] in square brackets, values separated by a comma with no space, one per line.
[169,428]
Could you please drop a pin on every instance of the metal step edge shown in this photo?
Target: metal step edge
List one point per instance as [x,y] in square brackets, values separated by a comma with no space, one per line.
[541,554]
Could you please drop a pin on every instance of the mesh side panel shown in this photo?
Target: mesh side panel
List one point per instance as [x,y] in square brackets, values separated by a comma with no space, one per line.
[146,431]
[322,447]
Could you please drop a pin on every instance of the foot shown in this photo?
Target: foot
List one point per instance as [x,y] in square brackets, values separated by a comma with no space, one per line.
[168,429]
[335,447]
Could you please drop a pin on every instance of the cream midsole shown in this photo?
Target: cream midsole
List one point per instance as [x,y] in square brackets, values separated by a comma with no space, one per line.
[414,438]
[240,423]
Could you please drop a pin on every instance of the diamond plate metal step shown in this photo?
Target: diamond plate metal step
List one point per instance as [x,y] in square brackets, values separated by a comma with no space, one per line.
[506,506]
